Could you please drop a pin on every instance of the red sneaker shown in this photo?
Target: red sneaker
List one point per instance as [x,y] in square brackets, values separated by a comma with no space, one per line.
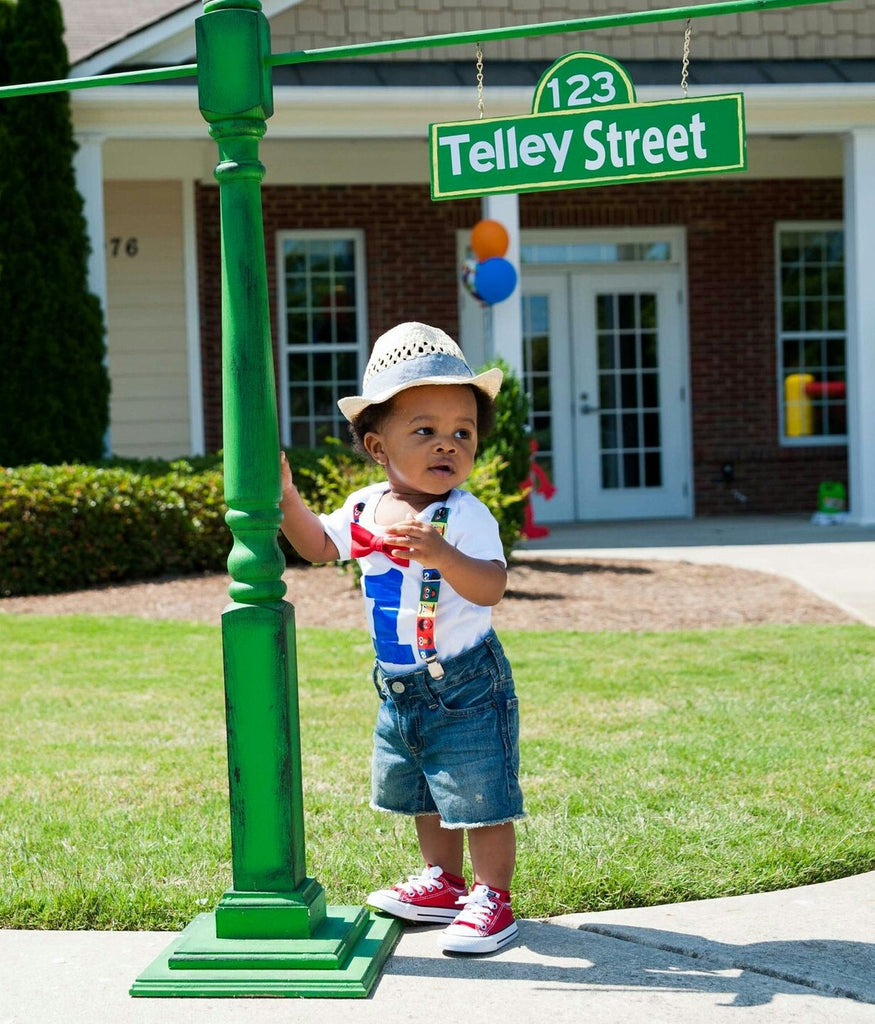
[429,898]
[485,924]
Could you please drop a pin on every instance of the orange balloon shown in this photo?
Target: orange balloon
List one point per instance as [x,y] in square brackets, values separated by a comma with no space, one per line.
[488,239]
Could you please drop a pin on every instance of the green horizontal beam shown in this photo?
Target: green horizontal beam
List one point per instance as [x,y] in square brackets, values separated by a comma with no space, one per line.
[120,78]
[592,24]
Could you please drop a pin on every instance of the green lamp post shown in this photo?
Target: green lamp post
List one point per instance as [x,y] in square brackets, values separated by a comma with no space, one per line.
[271,934]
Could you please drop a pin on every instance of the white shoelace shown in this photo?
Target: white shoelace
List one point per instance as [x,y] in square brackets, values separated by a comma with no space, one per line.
[479,907]
[426,882]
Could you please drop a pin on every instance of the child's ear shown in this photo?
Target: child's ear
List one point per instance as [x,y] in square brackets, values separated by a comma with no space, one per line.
[373,445]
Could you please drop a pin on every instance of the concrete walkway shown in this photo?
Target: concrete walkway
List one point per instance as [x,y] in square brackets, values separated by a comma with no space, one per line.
[802,956]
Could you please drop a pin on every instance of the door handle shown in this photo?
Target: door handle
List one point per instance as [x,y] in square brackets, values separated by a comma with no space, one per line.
[587,409]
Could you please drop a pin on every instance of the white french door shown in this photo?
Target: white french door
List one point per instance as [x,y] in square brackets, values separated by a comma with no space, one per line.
[606,370]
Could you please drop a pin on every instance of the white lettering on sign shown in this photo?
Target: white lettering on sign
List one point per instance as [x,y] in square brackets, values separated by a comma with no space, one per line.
[506,151]
[620,148]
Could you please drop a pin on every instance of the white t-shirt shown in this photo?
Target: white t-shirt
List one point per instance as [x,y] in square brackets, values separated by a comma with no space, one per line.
[392,591]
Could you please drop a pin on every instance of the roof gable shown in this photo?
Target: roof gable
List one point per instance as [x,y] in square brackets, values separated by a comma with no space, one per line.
[104,34]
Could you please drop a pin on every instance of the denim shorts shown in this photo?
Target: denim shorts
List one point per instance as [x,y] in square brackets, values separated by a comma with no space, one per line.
[450,746]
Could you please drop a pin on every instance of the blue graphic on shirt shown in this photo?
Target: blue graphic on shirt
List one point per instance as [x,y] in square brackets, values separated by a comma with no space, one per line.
[385,592]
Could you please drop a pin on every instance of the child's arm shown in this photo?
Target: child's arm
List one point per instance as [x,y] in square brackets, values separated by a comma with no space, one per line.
[478,580]
[301,525]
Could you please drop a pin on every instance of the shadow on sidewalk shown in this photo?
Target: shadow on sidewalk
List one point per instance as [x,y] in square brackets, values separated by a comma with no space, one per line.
[610,956]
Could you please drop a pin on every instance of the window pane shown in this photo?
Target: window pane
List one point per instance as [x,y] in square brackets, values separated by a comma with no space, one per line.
[610,471]
[626,312]
[347,368]
[648,312]
[299,401]
[629,391]
[606,352]
[630,431]
[652,469]
[540,393]
[631,470]
[295,258]
[298,366]
[607,391]
[651,430]
[812,315]
[539,348]
[609,432]
[297,328]
[628,351]
[323,291]
[791,316]
[835,315]
[605,312]
[650,390]
[811,341]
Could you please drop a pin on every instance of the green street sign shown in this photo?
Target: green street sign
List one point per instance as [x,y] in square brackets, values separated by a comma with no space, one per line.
[579,136]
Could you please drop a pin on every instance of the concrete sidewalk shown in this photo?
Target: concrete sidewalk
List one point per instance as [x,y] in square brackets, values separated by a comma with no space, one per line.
[803,955]
[835,562]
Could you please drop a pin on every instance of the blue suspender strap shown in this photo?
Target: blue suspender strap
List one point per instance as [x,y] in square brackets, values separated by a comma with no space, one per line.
[429,593]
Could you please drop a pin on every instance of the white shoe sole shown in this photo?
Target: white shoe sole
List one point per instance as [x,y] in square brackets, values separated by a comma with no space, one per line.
[389,904]
[464,940]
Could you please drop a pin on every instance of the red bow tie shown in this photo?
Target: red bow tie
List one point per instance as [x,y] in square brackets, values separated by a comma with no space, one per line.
[364,542]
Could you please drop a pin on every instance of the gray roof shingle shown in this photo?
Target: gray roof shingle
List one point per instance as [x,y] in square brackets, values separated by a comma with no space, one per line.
[93,25]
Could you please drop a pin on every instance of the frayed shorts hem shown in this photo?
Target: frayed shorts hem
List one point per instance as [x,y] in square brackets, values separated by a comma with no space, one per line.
[447,825]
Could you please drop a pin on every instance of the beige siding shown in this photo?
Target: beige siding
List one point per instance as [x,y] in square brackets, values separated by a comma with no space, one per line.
[149,414]
[845,29]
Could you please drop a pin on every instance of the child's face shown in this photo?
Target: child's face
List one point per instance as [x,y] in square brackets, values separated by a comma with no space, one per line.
[428,439]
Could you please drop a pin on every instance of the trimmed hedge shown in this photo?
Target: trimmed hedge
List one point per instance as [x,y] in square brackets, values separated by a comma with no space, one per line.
[73,526]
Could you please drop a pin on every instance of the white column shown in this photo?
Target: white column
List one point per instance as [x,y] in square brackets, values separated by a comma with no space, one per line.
[505,319]
[192,321]
[88,169]
[860,276]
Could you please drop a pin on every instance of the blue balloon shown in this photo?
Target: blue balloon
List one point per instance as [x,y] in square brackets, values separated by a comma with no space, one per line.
[495,280]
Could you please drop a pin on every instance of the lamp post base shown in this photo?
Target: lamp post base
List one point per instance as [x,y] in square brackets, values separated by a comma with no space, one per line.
[342,959]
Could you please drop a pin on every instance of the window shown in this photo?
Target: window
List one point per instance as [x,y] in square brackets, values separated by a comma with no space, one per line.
[537,376]
[323,331]
[811,334]
[596,252]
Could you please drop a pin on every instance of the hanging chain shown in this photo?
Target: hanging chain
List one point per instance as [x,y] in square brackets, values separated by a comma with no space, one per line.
[685,70]
[478,53]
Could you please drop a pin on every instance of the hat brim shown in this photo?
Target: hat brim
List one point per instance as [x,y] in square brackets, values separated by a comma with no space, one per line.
[489,382]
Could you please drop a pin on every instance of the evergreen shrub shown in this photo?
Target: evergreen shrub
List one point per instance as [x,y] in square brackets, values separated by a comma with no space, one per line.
[54,387]
[72,526]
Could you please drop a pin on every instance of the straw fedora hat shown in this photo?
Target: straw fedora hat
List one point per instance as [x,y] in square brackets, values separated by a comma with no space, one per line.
[412,355]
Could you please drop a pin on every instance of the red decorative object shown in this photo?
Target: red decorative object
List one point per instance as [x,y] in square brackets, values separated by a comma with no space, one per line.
[537,480]
[825,389]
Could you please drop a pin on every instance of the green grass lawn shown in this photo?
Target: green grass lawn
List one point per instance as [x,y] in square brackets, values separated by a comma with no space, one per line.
[657,767]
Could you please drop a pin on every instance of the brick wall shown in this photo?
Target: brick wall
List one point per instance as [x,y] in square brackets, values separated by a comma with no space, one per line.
[411,256]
